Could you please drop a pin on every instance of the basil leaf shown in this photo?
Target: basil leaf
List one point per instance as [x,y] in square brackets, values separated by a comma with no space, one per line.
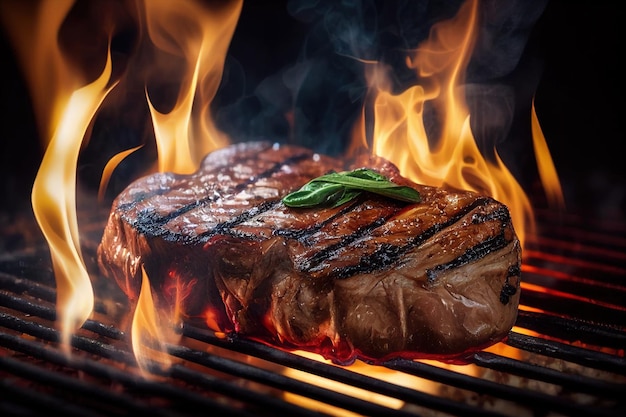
[366,174]
[337,188]
[348,195]
[315,195]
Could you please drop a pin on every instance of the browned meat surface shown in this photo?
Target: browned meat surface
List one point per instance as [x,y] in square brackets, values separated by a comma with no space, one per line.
[374,278]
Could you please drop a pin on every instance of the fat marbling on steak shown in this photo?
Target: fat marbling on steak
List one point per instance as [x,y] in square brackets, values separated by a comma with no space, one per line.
[373,279]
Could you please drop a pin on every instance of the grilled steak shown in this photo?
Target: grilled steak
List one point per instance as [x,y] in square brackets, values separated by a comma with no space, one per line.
[374,278]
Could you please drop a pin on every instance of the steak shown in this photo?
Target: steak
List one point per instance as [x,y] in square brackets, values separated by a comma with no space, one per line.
[374,278]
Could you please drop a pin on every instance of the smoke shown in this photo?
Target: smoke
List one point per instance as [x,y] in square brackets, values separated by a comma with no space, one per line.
[316,89]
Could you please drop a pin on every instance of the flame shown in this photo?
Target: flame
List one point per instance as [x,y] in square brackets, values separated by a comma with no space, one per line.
[147,334]
[453,158]
[178,290]
[110,167]
[378,372]
[547,171]
[54,204]
[64,112]
[186,133]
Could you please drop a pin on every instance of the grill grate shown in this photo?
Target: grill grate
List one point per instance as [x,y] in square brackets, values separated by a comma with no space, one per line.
[565,356]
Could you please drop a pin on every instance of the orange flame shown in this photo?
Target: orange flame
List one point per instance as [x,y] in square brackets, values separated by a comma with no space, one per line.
[453,158]
[185,134]
[54,204]
[147,334]
[64,113]
[110,167]
[202,36]
[547,171]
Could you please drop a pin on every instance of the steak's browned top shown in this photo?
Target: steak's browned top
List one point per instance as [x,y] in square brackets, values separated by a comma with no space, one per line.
[375,276]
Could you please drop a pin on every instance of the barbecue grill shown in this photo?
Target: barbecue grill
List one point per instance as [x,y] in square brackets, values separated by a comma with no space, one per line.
[565,356]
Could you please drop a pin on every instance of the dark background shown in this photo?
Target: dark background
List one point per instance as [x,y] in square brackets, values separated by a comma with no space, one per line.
[570,62]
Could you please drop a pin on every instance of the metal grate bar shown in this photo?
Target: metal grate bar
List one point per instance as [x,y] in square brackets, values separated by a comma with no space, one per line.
[339,374]
[251,397]
[610,294]
[581,356]
[178,398]
[88,392]
[283,382]
[16,401]
[11,283]
[572,330]
[558,304]
[568,381]
[532,399]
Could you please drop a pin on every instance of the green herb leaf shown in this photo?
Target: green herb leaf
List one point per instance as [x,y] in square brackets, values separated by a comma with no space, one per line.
[337,188]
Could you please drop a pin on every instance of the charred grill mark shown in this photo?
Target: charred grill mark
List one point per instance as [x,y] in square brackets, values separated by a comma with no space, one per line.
[501,213]
[480,250]
[472,254]
[150,224]
[226,227]
[387,254]
[160,191]
[303,235]
[314,263]
[508,290]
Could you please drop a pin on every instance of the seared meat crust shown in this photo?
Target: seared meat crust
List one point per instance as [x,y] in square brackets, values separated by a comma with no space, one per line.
[374,278]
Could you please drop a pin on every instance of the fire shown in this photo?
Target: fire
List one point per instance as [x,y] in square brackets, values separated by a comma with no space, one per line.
[64,110]
[110,167]
[453,158]
[198,36]
[547,171]
[178,290]
[186,133]
[148,336]
[54,205]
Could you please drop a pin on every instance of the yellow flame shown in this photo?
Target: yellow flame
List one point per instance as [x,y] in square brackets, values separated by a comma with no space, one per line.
[110,167]
[547,171]
[378,372]
[147,334]
[54,204]
[184,135]
[64,109]
[453,159]
[202,35]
